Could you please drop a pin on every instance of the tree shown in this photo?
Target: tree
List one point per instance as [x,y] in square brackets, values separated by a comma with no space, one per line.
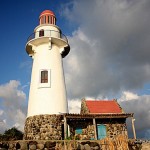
[12,134]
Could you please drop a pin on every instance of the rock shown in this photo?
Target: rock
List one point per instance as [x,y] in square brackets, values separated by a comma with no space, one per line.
[47,144]
[17,145]
[93,144]
[96,148]
[23,145]
[32,147]
[87,147]
[46,138]
[37,137]
[40,146]
[52,144]
[11,145]
[80,147]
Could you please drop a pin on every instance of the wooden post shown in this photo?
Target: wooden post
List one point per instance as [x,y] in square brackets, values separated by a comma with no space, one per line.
[133,128]
[65,127]
[95,131]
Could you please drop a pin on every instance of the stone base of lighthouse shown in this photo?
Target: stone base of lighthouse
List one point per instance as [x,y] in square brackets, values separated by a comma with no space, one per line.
[44,127]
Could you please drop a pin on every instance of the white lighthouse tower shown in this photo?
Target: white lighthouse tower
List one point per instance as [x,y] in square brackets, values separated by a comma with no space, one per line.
[47,46]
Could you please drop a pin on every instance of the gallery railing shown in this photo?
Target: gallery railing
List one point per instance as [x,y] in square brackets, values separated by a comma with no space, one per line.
[47,33]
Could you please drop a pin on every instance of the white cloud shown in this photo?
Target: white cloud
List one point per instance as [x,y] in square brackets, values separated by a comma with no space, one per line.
[20,119]
[74,106]
[3,126]
[140,106]
[13,105]
[1,112]
[110,48]
[126,95]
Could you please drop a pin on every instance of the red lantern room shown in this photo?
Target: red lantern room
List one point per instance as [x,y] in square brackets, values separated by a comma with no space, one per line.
[47,17]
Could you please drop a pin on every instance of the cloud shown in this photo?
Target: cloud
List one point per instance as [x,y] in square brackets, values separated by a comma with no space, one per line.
[139,105]
[1,112]
[12,105]
[109,49]
[20,119]
[3,126]
[74,106]
[126,96]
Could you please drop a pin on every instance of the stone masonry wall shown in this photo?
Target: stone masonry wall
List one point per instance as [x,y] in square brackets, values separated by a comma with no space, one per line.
[87,130]
[113,128]
[116,129]
[119,143]
[50,127]
[84,108]
[43,127]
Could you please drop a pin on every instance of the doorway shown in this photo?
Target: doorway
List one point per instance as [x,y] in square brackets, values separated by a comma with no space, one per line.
[101,131]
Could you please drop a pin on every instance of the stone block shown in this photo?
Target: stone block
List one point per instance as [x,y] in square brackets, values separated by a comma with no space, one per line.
[11,145]
[23,145]
[80,147]
[87,147]
[40,146]
[32,147]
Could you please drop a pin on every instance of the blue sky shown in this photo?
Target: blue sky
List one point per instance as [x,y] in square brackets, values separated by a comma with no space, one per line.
[18,20]
[109,57]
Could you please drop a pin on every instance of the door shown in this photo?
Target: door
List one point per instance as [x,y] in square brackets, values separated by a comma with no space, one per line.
[101,131]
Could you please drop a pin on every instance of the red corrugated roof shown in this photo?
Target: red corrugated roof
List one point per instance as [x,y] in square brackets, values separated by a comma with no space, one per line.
[103,106]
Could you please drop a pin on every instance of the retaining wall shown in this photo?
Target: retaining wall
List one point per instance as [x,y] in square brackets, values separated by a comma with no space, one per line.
[106,144]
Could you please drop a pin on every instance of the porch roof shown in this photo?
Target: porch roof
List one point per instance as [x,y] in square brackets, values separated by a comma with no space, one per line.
[106,115]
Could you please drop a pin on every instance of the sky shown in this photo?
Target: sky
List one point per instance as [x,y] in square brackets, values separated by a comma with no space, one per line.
[109,57]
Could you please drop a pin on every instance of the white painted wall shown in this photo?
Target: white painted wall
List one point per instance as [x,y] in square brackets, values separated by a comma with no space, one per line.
[49,98]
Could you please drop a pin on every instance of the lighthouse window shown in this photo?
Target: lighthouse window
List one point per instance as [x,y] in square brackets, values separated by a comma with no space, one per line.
[48,19]
[41,33]
[52,20]
[44,19]
[44,76]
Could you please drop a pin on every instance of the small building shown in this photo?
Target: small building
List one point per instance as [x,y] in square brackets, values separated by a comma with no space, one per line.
[98,119]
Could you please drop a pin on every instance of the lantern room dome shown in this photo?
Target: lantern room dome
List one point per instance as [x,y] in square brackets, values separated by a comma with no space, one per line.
[47,17]
[47,12]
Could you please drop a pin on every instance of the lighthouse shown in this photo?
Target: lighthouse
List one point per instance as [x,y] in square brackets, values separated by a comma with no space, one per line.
[47,46]
[47,104]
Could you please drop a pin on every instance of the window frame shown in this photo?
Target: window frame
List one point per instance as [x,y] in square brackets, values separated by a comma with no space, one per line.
[45,84]
[41,33]
[78,130]
[44,76]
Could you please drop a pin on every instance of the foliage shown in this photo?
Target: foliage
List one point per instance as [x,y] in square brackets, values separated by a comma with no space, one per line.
[11,134]
[68,138]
